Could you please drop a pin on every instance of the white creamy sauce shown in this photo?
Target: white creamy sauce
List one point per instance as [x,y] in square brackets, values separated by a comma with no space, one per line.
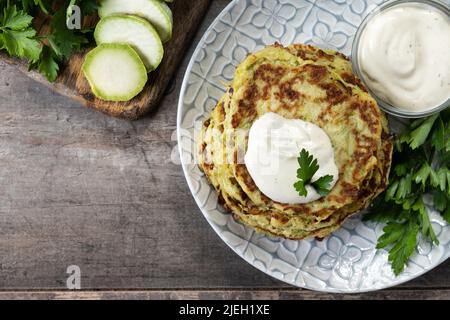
[404,56]
[274,145]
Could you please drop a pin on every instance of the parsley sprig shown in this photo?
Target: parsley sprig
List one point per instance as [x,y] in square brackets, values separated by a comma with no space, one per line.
[48,51]
[420,169]
[308,168]
[17,35]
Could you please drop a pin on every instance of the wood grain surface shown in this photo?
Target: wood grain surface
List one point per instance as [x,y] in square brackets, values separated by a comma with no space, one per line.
[81,188]
[226,294]
[72,83]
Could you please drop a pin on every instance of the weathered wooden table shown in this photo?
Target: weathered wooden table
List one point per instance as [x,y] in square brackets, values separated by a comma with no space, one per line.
[80,188]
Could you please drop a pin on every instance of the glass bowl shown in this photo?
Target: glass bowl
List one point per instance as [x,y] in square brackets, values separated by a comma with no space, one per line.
[389,108]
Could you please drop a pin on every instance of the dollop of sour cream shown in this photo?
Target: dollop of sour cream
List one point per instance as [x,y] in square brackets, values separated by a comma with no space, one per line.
[404,56]
[274,144]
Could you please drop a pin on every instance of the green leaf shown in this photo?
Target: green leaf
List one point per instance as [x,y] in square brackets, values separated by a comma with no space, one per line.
[63,41]
[416,123]
[308,166]
[400,253]
[393,232]
[17,35]
[419,135]
[422,175]
[323,185]
[48,65]
[408,203]
[88,7]
[400,141]
[28,5]
[446,214]
[434,180]
[447,145]
[440,201]
[404,187]
[427,228]
[392,189]
[438,137]
[306,171]
[442,178]
[401,238]
[21,44]
[15,20]
[382,211]
[448,181]
[401,169]
[301,189]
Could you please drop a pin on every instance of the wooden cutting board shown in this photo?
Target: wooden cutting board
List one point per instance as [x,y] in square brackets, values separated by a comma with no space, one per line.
[71,82]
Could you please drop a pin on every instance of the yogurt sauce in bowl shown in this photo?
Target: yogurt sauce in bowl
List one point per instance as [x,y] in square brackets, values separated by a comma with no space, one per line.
[403,56]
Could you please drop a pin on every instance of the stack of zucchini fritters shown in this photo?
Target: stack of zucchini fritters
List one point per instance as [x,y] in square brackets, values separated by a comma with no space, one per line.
[297,82]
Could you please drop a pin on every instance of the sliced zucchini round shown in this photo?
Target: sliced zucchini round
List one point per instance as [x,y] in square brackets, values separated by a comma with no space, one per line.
[168,11]
[152,10]
[135,31]
[115,72]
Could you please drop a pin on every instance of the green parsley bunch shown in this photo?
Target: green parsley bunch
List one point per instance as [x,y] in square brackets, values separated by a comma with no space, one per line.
[45,53]
[420,169]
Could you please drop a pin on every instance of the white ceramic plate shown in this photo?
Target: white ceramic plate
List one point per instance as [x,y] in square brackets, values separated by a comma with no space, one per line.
[346,261]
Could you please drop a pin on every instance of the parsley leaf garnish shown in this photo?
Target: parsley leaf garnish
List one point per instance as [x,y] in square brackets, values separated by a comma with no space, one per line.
[308,168]
[323,184]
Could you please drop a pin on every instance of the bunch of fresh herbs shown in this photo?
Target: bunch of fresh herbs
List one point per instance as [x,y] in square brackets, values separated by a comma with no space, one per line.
[44,52]
[420,171]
